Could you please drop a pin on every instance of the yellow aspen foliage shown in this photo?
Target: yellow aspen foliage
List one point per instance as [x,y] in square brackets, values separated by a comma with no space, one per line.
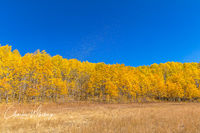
[40,77]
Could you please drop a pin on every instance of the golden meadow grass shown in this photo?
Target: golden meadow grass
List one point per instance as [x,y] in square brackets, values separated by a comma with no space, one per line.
[102,118]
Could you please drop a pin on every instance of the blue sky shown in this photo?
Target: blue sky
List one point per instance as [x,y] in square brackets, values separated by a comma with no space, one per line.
[132,32]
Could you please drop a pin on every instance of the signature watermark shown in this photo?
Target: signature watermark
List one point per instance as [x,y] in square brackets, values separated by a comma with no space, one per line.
[35,113]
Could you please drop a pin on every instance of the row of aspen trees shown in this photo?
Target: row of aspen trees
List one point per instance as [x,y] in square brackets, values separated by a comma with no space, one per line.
[39,77]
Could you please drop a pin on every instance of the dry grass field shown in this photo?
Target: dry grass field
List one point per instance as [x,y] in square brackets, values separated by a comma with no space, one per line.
[100,118]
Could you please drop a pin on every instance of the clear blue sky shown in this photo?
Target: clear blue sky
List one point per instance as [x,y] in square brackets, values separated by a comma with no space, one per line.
[133,32]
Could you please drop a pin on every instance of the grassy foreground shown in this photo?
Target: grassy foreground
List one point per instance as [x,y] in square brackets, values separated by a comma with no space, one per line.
[100,118]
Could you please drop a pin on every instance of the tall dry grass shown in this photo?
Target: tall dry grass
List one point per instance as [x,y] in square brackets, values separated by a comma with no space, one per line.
[104,118]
